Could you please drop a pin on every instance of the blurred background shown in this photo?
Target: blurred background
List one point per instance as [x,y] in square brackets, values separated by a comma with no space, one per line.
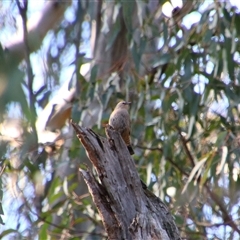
[176,61]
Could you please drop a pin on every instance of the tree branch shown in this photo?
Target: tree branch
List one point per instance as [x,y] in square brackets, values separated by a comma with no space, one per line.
[226,217]
[51,15]
[128,210]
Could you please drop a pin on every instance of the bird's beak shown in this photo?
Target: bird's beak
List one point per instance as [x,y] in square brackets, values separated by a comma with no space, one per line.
[129,103]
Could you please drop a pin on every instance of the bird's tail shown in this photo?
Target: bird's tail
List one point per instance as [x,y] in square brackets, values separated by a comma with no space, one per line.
[130,149]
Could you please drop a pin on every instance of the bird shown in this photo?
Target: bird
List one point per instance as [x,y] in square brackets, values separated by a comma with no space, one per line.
[120,121]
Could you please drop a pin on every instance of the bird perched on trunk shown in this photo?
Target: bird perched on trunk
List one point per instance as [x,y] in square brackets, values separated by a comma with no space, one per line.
[120,121]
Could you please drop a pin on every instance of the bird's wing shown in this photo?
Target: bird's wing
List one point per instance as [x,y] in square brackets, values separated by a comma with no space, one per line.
[119,120]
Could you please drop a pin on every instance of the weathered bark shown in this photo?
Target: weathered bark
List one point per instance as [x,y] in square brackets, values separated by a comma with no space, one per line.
[127,208]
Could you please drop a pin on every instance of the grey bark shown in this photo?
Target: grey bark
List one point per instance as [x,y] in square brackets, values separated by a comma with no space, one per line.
[127,208]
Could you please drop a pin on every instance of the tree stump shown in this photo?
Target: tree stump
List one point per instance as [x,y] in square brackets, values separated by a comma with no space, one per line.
[127,208]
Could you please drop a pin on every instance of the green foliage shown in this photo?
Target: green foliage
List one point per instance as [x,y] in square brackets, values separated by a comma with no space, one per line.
[183,83]
[11,80]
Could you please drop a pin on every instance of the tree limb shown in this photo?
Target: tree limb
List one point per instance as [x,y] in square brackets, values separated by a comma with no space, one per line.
[128,210]
[51,15]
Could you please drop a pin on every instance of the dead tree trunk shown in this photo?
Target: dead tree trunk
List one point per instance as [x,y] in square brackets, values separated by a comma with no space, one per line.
[127,208]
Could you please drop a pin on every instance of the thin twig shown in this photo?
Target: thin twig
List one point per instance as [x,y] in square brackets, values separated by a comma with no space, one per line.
[184,142]
[226,217]
[168,159]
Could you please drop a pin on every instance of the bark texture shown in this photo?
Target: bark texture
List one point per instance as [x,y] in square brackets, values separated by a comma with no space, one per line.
[127,208]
